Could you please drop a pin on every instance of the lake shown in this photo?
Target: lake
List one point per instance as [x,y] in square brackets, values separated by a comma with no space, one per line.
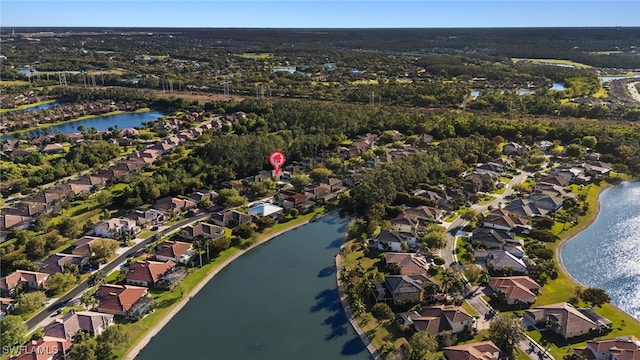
[610,78]
[605,255]
[278,301]
[100,123]
[37,107]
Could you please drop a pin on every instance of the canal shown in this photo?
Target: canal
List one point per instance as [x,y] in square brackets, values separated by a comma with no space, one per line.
[605,255]
[278,301]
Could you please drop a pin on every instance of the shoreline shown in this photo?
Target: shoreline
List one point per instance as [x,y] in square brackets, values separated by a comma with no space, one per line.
[579,230]
[131,354]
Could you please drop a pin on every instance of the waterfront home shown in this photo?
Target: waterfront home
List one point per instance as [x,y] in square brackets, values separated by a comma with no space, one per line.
[202,230]
[26,280]
[620,348]
[265,209]
[231,218]
[92,323]
[401,289]
[54,148]
[406,223]
[490,238]
[406,263]
[44,348]
[516,289]
[392,241]
[55,263]
[566,320]
[503,220]
[500,261]
[536,204]
[147,273]
[116,228]
[436,319]
[483,350]
[123,300]
[176,251]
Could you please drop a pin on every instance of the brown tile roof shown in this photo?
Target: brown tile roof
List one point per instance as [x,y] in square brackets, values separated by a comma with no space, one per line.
[623,348]
[119,298]
[55,263]
[173,249]
[22,276]
[45,348]
[568,317]
[484,350]
[149,271]
[72,322]
[8,221]
[410,263]
[515,287]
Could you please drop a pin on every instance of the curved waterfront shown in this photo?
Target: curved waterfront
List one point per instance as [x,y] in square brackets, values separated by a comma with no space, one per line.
[277,301]
[605,255]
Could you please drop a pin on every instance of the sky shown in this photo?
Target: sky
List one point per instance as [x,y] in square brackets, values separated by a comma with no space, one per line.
[319,13]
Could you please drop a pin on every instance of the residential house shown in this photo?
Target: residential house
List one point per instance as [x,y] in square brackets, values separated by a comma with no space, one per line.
[483,350]
[129,132]
[407,263]
[204,230]
[82,246]
[318,193]
[116,228]
[176,251]
[298,201]
[27,209]
[174,204]
[514,149]
[436,319]
[479,182]
[203,195]
[123,300]
[6,306]
[147,272]
[564,319]
[544,145]
[231,218]
[426,213]
[620,348]
[554,180]
[493,238]
[265,209]
[536,204]
[14,222]
[55,263]
[401,289]
[27,280]
[44,348]
[516,289]
[406,223]
[500,260]
[92,323]
[333,184]
[147,216]
[392,241]
[53,148]
[505,221]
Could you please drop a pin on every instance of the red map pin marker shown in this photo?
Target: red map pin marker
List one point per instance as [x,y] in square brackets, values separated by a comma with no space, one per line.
[277,159]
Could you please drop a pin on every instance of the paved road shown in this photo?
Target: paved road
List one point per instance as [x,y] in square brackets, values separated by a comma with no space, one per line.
[35,321]
[459,223]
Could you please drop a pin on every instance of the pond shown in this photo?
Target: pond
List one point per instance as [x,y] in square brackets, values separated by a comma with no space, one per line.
[278,301]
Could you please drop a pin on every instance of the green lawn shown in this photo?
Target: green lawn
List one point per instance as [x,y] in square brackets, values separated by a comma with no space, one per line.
[554,62]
